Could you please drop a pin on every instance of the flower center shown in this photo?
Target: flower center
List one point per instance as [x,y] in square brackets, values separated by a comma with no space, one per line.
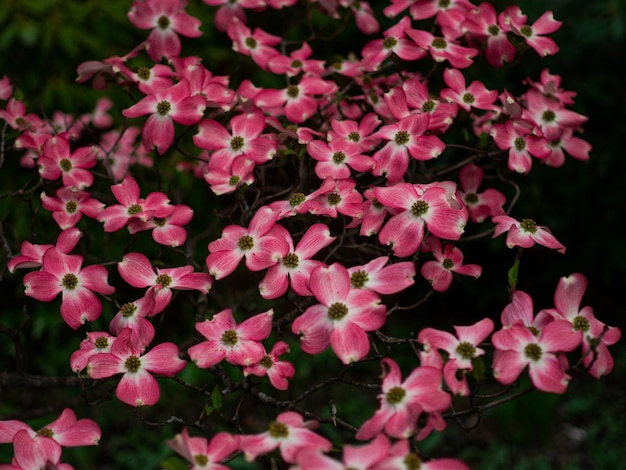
[389,42]
[236,143]
[395,395]
[293,91]
[412,462]
[334,199]
[143,73]
[471,198]
[581,323]
[71,207]
[296,64]
[70,281]
[402,137]
[102,342]
[201,460]
[493,30]
[233,180]
[46,432]
[444,3]
[448,263]
[246,242]
[65,164]
[419,208]
[164,280]
[158,221]
[526,31]
[359,278]
[439,43]
[528,225]
[266,362]
[163,107]
[428,106]
[468,98]
[548,115]
[296,199]
[339,157]
[163,22]
[134,209]
[128,309]
[132,364]
[229,337]
[291,260]
[354,136]
[519,143]
[377,204]
[251,43]
[337,311]
[534,330]
[466,350]
[278,430]
[533,351]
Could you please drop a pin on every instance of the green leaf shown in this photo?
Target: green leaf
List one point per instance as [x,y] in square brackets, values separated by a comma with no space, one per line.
[216,398]
[208,410]
[478,369]
[512,275]
[174,463]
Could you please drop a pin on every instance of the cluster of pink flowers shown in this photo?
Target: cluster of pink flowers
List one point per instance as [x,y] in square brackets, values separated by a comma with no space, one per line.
[326,164]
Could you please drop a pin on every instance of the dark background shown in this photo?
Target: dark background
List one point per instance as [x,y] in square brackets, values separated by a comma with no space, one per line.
[42,42]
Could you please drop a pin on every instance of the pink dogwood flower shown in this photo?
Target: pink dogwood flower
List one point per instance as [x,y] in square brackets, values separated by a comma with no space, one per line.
[69,205]
[166,230]
[62,274]
[137,387]
[448,260]
[517,347]
[203,454]
[136,270]
[297,102]
[244,139]
[484,23]
[402,402]
[289,433]
[278,372]
[480,205]
[259,244]
[96,342]
[295,265]
[335,158]
[116,216]
[166,106]
[66,430]
[405,138]
[419,208]
[364,457]
[382,279]
[474,96]
[31,255]
[342,317]
[462,349]
[133,315]
[237,344]
[166,18]
[595,335]
[257,44]
[34,453]
[534,34]
[525,233]
[400,457]
[57,161]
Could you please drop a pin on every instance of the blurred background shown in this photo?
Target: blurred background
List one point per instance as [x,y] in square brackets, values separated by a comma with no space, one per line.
[43,41]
